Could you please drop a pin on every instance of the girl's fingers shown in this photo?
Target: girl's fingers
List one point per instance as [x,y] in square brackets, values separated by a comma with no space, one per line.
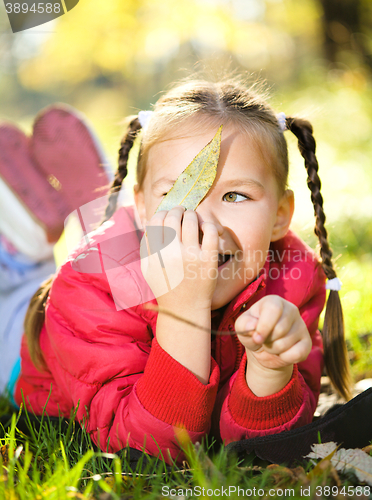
[247,323]
[283,326]
[155,238]
[210,238]
[296,344]
[285,343]
[190,229]
[298,352]
[209,246]
[250,344]
[269,312]
[191,236]
[173,219]
[279,330]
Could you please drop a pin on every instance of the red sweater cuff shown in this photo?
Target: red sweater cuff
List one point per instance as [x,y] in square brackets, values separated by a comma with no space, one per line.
[171,393]
[255,413]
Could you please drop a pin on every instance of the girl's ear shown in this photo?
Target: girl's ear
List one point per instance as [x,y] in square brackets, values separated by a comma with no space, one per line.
[139,200]
[283,215]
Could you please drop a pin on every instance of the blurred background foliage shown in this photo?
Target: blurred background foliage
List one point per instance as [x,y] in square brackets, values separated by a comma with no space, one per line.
[112,58]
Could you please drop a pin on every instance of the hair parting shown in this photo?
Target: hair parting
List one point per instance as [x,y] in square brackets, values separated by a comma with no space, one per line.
[335,353]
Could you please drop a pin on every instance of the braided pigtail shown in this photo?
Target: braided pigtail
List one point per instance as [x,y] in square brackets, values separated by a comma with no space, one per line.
[34,321]
[121,173]
[335,352]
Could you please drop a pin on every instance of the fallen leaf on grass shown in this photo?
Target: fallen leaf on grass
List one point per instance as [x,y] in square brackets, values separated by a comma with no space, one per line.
[325,465]
[325,468]
[4,455]
[355,459]
[368,449]
[197,178]
[110,481]
[284,476]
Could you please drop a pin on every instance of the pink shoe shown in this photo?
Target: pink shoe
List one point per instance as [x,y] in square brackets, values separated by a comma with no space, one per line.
[59,169]
[69,156]
[20,173]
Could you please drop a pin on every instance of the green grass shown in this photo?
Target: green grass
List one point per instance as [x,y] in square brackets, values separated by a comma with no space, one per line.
[52,464]
[76,474]
[55,464]
[351,242]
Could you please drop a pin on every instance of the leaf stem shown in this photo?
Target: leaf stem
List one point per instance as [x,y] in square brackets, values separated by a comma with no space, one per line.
[167,312]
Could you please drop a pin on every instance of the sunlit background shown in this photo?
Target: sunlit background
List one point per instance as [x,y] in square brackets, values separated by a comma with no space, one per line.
[111,58]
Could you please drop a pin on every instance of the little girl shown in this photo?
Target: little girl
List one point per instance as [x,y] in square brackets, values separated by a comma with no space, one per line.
[139,376]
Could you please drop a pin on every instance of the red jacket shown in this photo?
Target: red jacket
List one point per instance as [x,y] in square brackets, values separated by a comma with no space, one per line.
[129,390]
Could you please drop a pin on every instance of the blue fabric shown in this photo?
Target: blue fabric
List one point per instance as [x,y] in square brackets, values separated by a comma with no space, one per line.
[13,381]
[14,268]
[16,261]
[19,280]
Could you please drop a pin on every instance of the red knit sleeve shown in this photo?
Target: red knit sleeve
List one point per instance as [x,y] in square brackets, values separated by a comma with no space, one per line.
[259,413]
[173,394]
[242,415]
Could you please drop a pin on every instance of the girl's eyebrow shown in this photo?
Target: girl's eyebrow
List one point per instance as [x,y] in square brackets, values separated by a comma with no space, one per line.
[244,182]
[162,180]
[232,182]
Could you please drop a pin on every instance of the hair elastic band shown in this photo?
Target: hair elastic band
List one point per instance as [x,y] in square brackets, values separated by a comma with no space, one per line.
[334,284]
[144,118]
[282,121]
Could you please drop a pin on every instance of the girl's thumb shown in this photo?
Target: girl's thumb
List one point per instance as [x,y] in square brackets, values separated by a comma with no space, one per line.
[246,322]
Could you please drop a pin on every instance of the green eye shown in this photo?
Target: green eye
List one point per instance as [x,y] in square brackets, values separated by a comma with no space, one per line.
[234,197]
[230,197]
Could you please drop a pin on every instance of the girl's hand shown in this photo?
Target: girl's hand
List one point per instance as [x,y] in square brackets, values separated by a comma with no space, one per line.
[279,338]
[189,263]
[195,267]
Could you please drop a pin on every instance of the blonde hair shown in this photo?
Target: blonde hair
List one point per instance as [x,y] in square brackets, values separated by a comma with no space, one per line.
[200,103]
[230,102]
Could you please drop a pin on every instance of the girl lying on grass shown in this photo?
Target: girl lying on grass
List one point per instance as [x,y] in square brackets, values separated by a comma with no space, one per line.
[139,376]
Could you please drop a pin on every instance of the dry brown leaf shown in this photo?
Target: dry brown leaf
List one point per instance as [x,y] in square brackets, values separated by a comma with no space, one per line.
[324,465]
[368,449]
[281,475]
[4,454]
[197,178]
[300,475]
[355,459]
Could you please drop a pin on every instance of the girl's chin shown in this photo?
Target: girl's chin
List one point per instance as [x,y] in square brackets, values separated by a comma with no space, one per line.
[232,280]
[223,295]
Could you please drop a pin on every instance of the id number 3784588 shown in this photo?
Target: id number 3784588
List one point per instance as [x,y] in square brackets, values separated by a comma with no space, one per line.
[36,8]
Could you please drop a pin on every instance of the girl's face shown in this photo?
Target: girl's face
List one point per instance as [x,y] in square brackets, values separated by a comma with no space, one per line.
[244,202]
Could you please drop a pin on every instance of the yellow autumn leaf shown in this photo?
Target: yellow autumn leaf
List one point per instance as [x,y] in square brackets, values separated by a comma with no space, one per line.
[195,181]
[324,464]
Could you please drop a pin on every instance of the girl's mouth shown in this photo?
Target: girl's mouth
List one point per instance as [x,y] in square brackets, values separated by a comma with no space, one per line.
[222,259]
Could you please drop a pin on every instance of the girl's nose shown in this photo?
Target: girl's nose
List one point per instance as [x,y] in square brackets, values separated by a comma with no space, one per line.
[207,215]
